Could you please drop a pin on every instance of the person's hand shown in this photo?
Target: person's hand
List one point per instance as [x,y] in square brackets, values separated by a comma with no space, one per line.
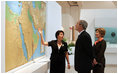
[39,30]
[94,61]
[68,66]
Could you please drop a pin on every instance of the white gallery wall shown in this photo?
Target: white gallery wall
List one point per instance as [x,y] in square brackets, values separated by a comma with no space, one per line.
[2,36]
[98,18]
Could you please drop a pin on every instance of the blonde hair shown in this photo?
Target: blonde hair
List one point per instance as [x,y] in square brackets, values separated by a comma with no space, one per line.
[101,31]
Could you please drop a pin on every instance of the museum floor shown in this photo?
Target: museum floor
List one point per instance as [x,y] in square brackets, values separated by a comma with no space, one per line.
[108,69]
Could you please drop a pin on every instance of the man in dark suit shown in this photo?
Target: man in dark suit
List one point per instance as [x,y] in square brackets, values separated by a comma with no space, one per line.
[83,49]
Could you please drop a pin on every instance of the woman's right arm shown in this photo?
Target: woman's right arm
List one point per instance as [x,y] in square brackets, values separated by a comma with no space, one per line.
[42,40]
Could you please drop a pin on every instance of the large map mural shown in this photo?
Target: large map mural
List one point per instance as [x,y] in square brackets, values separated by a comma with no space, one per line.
[22,40]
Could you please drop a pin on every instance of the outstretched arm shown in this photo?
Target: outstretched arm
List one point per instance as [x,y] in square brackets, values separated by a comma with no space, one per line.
[42,40]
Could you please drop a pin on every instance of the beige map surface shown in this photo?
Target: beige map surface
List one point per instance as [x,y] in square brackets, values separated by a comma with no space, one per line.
[30,20]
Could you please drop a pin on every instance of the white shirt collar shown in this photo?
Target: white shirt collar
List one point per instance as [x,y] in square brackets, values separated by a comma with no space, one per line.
[81,32]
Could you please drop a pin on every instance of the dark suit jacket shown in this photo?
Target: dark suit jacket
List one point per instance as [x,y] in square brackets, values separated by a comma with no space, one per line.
[83,52]
[99,50]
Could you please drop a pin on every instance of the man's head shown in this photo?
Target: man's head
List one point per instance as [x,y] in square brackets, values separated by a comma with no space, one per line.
[81,25]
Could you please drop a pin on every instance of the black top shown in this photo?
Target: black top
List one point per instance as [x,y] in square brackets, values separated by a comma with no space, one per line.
[83,52]
[55,51]
[99,50]
[57,57]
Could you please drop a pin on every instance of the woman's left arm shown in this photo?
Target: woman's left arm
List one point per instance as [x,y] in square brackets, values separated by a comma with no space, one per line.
[67,58]
[102,50]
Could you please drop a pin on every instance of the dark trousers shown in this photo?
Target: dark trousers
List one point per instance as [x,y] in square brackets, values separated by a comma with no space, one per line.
[57,67]
[84,71]
[98,70]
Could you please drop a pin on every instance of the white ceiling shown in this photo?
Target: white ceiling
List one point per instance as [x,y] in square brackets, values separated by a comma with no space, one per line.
[90,4]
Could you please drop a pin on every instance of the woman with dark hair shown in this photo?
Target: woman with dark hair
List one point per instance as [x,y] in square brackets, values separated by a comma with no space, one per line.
[59,52]
[99,50]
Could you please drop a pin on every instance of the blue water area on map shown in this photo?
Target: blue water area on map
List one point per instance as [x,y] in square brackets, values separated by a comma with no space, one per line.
[23,43]
[37,50]
[34,30]
[33,3]
[15,6]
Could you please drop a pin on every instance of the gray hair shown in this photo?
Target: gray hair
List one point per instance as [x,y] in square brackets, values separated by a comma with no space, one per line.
[84,24]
